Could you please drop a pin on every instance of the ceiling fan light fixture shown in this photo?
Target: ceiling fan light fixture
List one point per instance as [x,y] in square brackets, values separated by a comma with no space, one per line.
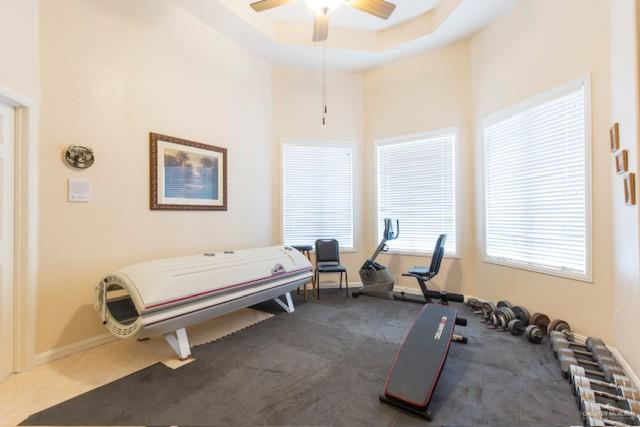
[320,6]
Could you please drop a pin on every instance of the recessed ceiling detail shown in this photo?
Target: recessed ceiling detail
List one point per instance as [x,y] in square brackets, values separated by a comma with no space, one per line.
[346,17]
[357,40]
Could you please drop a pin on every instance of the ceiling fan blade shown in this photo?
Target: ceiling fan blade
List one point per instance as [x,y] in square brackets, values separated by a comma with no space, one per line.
[321,27]
[262,5]
[380,8]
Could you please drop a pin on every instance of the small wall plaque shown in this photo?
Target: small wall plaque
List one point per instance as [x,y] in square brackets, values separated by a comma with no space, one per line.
[79,190]
[614,137]
[630,188]
[622,161]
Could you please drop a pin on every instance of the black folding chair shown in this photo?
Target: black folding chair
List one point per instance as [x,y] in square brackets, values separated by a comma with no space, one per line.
[328,261]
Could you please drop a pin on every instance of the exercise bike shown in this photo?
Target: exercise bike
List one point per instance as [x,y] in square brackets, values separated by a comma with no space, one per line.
[376,279]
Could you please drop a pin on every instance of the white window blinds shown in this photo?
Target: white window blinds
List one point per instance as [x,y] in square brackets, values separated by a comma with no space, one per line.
[416,185]
[317,193]
[536,185]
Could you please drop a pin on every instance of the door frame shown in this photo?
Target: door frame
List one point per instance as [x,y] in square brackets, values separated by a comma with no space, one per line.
[25,227]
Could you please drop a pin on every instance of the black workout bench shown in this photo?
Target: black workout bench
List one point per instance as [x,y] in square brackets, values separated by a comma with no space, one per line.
[414,374]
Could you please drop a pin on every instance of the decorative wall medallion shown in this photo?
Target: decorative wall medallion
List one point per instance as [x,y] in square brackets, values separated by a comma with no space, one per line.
[79,156]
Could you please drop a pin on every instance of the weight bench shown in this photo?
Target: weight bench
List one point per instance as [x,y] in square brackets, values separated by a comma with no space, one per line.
[414,374]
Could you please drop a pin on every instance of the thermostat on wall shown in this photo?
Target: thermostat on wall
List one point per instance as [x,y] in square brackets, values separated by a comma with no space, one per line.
[79,190]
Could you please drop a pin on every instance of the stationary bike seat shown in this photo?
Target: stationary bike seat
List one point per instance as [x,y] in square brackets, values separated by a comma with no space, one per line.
[421,271]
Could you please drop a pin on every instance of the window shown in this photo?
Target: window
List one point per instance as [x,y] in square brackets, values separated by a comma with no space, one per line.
[536,203]
[416,186]
[317,193]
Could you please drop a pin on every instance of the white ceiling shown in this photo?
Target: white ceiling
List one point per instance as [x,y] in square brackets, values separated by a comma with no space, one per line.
[348,17]
[353,48]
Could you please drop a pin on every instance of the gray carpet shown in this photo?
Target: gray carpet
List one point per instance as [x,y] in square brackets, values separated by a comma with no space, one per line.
[325,364]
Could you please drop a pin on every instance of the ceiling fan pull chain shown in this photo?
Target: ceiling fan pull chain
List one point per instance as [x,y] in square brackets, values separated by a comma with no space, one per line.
[324,83]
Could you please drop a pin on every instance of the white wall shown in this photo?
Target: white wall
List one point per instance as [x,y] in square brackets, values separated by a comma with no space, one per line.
[420,94]
[538,45]
[113,71]
[624,110]
[19,47]
[297,114]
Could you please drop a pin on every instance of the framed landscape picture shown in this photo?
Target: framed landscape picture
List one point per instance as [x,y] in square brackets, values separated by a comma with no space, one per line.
[187,175]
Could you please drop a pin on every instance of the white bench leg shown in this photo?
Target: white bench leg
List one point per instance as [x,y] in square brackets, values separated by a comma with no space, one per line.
[179,342]
[288,307]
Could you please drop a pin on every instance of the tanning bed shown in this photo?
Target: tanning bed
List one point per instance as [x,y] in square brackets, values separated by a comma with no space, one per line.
[165,296]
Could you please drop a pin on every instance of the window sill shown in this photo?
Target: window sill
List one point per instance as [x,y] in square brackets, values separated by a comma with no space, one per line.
[418,254]
[538,269]
[342,251]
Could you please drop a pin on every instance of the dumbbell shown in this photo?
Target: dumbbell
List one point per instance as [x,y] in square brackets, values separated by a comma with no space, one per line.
[504,303]
[605,369]
[607,373]
[541,320]
[558,325]
[623,389]
[563,344]
[534,334]
[589,345]
[474,304]
[516,327]
[503,315]
[596,359]
[598,410]
[597,420]
[589,395]
[522,314]
[614,379]
[487,308]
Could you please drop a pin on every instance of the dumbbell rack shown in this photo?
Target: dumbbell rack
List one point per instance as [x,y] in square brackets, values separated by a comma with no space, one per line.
[603,392]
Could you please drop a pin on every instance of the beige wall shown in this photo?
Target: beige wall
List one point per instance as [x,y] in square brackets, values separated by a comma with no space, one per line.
[297,114]
[420,94]
[624,110]
[112,71]
[19,46]
[538,45]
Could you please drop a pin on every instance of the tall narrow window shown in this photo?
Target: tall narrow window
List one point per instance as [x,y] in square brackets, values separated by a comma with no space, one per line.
[417,187]
[317,193]
[536,184]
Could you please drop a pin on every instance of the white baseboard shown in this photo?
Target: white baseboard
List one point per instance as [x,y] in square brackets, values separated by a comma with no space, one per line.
[332,285]
[67,350]
[627,368]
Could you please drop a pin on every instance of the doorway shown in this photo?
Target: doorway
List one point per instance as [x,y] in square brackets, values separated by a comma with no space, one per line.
[7,248]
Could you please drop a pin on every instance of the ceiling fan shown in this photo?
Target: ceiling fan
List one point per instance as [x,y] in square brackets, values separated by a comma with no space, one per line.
[380,8]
